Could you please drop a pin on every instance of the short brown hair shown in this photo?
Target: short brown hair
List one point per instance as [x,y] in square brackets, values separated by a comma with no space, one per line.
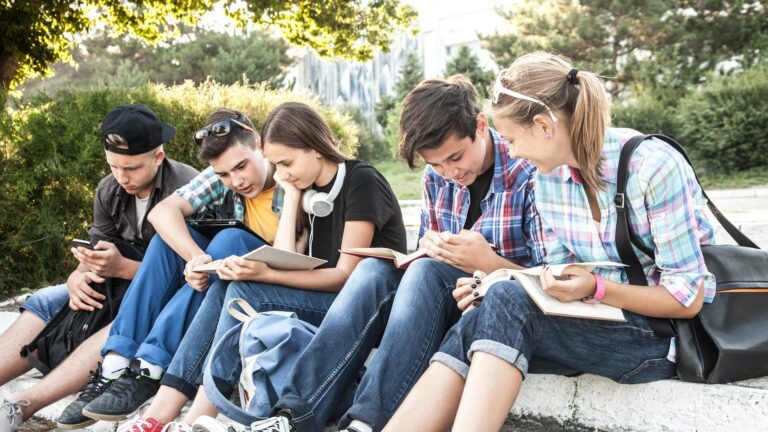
[433,111]
[214,146]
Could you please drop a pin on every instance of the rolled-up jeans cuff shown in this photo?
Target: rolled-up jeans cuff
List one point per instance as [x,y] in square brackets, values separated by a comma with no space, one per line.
[189,390]
[452,363]
[504,352]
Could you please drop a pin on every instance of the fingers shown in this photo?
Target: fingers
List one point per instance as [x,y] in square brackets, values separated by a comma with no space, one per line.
[92,294]
[93,277]
[471,300]
[81,301]
[462,291]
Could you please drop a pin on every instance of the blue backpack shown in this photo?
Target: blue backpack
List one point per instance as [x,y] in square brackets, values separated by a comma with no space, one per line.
[269,344]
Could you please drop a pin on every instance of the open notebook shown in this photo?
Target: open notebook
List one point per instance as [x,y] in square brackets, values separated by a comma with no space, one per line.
[278,259]
[529,280]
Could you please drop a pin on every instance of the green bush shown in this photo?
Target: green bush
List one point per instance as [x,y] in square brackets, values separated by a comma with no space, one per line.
[647,114]
[724,124]
[51,160]
[370,148]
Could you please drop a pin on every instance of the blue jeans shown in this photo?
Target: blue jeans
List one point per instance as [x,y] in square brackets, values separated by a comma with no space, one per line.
[184,372]
[47,302]
[510,326]
[155,312]
[408,312]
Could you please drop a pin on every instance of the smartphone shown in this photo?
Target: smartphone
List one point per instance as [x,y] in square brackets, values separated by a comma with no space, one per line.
[82,243]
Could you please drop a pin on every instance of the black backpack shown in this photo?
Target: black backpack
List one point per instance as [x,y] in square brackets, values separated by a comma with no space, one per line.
[69,328]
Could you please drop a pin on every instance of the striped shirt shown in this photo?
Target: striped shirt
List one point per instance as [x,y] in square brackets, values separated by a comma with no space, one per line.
[206,192]
[666,211]
[508,218]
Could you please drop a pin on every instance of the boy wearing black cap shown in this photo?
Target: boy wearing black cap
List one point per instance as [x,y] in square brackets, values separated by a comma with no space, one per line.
[133,139]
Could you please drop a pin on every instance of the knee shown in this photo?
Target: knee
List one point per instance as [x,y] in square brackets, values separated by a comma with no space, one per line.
[157,246]
[225,240]
[510,297]
[372,278]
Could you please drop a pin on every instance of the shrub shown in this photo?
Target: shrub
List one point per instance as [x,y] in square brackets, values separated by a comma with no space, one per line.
[647,114]
[51,160]
[724,123]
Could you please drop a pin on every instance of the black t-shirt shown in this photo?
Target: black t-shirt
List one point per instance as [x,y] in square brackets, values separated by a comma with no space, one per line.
[364,196]
[477,192]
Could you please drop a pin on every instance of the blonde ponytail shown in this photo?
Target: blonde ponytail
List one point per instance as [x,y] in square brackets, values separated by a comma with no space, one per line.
[581,99]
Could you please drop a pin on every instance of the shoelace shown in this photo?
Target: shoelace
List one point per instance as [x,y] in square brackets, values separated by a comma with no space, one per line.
[176,427]
[13,406]
[273,424]
[138,425]
[122,386]
[97,384]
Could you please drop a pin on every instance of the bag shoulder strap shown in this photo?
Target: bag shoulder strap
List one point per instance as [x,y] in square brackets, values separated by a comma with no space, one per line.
[248,312]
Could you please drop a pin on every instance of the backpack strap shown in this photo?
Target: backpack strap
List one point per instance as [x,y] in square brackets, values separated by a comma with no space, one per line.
[248,312]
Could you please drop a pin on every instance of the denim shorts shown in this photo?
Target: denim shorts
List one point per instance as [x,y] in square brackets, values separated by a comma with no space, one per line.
[510,326]
[47,302]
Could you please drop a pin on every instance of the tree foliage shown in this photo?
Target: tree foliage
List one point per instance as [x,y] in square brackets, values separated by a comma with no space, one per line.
[410,75]
[104,60]
[37,33]
[668,43]
[465,62]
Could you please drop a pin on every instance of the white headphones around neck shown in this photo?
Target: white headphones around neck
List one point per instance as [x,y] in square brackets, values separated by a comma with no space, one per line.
[320,203]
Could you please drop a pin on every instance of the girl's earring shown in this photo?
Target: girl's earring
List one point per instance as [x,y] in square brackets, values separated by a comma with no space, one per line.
[547,136]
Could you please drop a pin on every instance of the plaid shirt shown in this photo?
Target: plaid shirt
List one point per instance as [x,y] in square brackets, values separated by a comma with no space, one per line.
[206,192]
[666,210]
[508,217]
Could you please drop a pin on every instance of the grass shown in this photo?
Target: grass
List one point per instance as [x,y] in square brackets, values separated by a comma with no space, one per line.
[405,182]
[738,179]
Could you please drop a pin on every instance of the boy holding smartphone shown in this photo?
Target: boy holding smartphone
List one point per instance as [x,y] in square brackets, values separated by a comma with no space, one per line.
[141,176]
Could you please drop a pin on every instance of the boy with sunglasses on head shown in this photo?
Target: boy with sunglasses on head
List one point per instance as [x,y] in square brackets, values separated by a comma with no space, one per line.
[155,312]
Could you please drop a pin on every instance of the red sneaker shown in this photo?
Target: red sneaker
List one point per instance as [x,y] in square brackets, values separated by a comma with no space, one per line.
[142,425]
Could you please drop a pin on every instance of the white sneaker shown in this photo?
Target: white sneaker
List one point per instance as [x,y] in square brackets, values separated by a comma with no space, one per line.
[272,424]
[176,427]
[210,424]
[11,416]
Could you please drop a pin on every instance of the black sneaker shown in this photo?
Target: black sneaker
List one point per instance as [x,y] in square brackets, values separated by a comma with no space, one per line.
[125,396]
[72,417]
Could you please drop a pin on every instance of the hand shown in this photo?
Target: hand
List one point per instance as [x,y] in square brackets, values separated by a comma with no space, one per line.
[197,280]
[466,295]
[288,188]
[105,260]
[236,268]
[81,295]
[464,250]
[575,283]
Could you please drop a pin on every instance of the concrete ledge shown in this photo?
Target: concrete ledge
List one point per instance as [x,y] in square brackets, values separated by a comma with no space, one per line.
[668,405]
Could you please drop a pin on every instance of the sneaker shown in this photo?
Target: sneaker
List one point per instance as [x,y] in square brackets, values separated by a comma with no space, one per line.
[125,396]
[11,416]
[72,417]
[177,427]
[142,425]
[280,423]
[210,424]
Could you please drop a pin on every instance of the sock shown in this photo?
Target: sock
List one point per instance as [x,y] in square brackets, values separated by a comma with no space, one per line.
[360,426]
[155,372]
[113,366]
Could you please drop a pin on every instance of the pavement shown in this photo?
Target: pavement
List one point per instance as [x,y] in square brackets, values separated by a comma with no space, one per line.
[555,403]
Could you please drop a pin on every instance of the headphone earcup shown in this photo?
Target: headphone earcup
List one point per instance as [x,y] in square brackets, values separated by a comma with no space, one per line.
[320,205]
[306,200]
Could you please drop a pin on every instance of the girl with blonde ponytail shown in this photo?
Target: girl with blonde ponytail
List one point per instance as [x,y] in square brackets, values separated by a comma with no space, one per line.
[558,118]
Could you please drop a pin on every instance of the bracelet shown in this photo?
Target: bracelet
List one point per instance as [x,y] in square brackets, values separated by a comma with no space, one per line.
[599,288]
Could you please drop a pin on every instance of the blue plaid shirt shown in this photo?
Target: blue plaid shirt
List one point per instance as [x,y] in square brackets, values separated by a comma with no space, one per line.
[508,217]
[206,192]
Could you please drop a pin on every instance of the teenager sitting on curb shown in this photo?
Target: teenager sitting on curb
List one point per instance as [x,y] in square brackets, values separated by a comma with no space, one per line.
[141,176]
[156,312]
[474,194]
[364,212]
[558,117]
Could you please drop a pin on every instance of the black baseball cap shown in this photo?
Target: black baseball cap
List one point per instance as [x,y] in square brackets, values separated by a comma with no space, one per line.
[139,126]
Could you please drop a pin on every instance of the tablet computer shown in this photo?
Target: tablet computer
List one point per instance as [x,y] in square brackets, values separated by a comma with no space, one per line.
[211,227]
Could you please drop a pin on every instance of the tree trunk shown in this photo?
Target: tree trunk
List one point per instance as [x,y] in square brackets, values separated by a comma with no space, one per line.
[8,66]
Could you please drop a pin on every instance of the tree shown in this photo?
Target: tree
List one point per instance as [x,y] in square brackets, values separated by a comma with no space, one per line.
[37,33]
[410,75]
[465,62]
[668,43]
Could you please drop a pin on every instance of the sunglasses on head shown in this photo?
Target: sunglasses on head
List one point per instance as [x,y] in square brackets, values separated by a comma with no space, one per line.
[499,89]
[219,129]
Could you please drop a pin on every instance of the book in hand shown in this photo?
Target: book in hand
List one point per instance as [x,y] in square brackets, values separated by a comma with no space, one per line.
[400,260]
[278,259]
[529,280]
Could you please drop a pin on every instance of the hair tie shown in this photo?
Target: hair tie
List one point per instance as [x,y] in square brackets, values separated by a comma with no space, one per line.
[571,78]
